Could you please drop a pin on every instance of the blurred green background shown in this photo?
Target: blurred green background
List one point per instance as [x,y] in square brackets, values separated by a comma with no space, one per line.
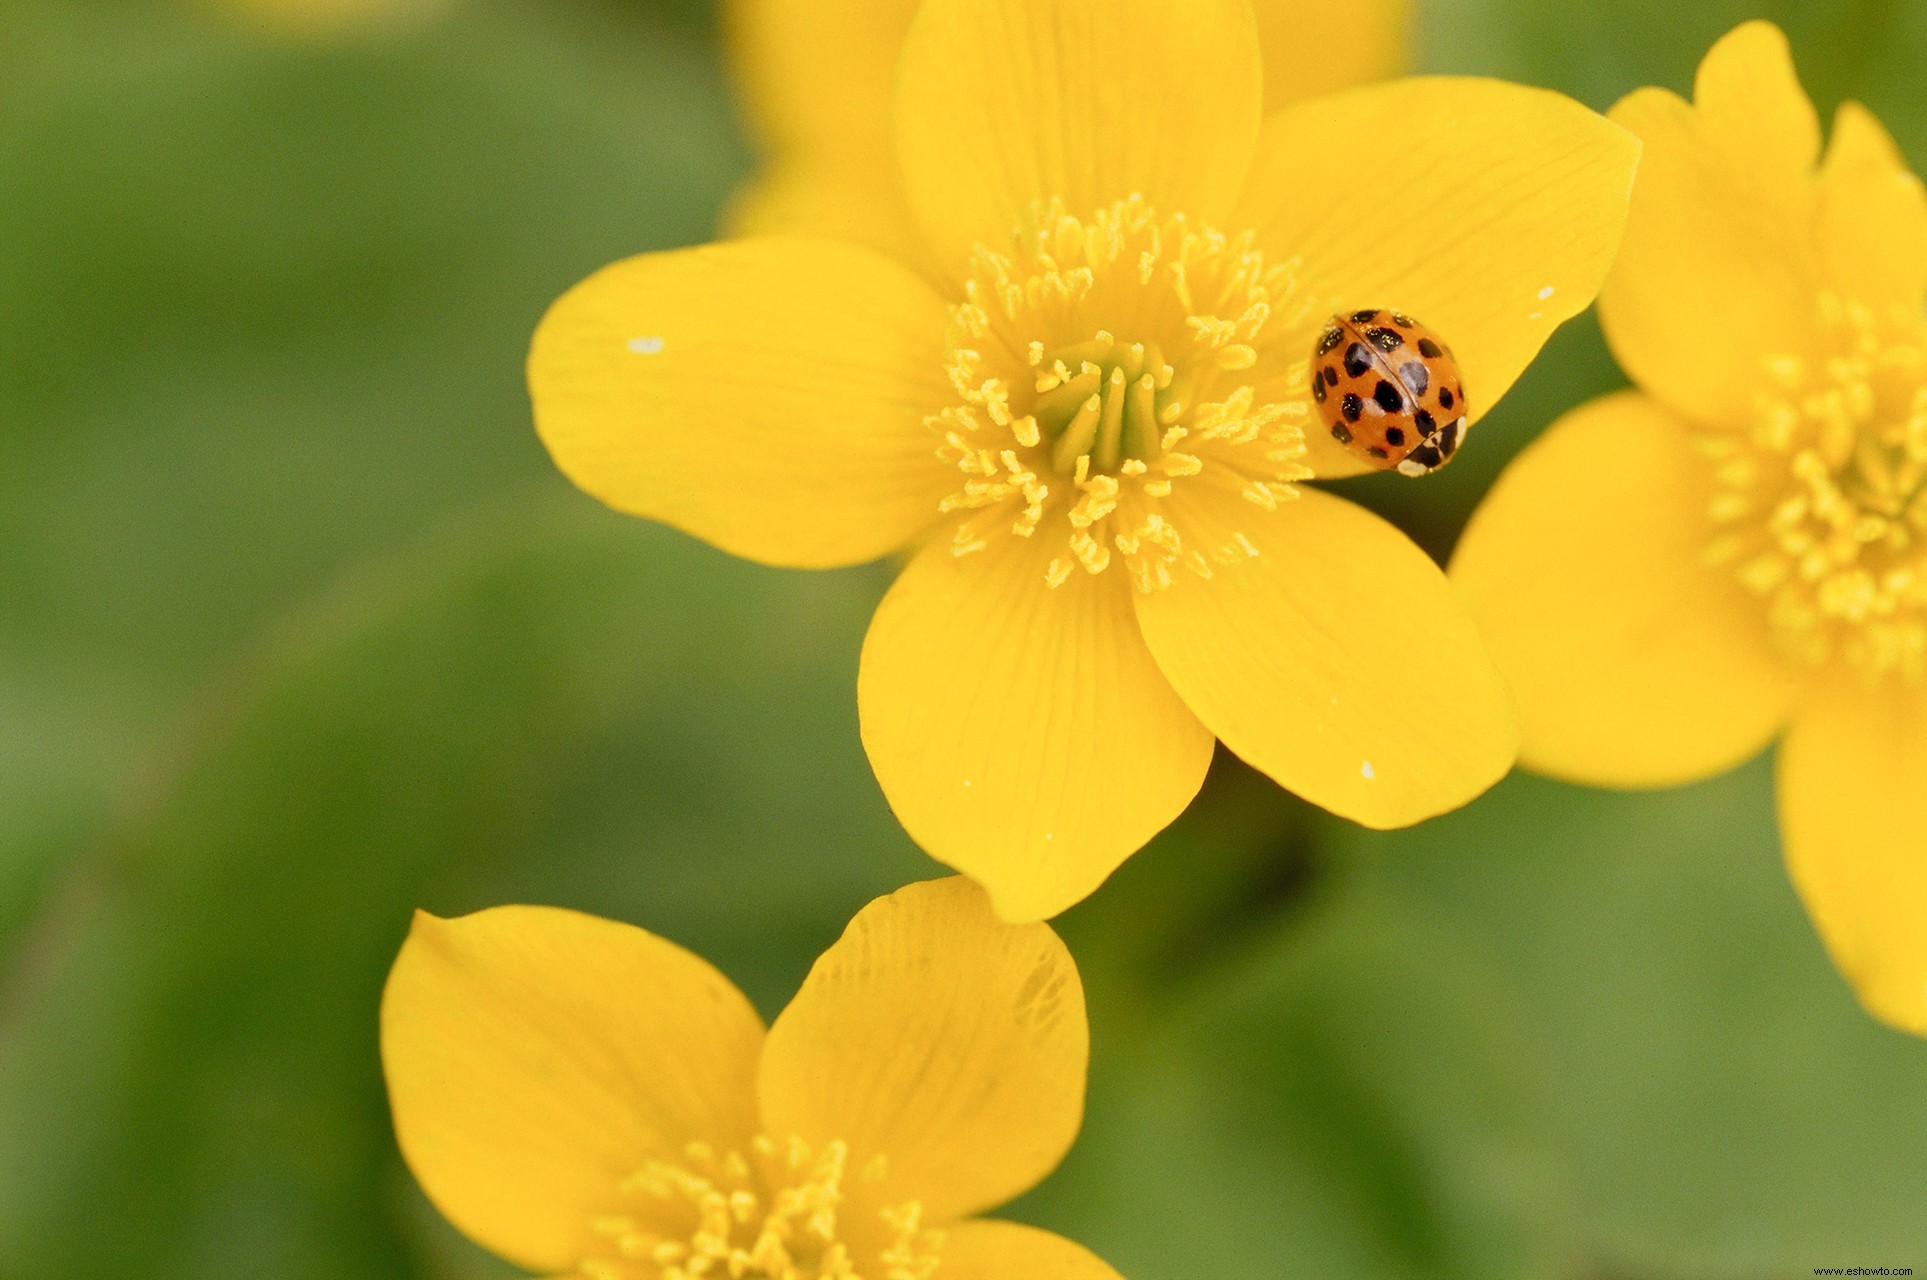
[299,630]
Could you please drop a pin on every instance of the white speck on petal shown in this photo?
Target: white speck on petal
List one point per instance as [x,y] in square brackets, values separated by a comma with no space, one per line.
[966,782]
[1545,293]
[1537,315]
[648,346]
[1366,769]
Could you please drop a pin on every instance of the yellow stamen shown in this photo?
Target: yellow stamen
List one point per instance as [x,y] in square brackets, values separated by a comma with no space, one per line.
[1821,501]
[783,1211]
[1101,359]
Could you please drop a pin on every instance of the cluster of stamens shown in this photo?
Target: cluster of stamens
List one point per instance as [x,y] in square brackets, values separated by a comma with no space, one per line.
[1821,500]
[1100,361]
[780,1211]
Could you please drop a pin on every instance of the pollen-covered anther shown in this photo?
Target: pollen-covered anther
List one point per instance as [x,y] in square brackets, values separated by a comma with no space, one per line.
[778,1211]
[1820,502]
[1101,362]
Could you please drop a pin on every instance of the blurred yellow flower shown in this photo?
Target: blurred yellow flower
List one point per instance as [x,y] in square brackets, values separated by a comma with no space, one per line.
[816,83]
[1672,576]
[1082,399]
[588,1100]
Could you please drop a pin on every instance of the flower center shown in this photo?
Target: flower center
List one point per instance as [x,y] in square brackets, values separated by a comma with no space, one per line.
[781,1211]
[1821,501]
[1100,362]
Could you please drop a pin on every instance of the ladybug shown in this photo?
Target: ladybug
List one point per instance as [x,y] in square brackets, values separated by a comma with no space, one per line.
[1389,391]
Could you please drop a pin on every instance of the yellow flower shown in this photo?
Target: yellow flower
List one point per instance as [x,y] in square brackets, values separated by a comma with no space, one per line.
[816,81]
[1083,404]
[1674,575]
[588,1100]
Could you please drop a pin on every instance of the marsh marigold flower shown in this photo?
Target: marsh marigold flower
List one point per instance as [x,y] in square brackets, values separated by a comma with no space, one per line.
[1081,403]
[590,1101]
[816,80]
[1674,576]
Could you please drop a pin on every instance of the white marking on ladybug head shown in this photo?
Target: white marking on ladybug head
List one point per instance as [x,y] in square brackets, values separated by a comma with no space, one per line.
[647,346]
[1366,771]
[1407,467]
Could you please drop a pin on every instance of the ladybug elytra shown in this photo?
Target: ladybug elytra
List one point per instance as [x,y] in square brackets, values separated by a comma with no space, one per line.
[1389,390]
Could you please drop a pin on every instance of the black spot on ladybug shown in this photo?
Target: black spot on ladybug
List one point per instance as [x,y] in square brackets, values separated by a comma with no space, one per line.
[1357,360]
[1352,406]
[1378,452]
[1364,317]
[1384,339]
[1402,320]
[1318,390]
[1395,436]
[1388,397]
[1416,376]
[1332,337]
[1449,438]
[1424,421]
[1331,377]
[1427,456]
[1445,397]
[1429,349]
[1341,433]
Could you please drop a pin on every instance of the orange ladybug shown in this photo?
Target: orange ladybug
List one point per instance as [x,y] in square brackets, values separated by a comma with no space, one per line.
[1389,390]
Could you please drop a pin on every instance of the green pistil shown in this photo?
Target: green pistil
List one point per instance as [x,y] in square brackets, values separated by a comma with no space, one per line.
[1105,401]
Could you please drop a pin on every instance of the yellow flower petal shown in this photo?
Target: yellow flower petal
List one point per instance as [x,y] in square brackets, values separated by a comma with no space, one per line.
[1720,238]
[1338,661]
[935,1036]
[816,82]
[862,204]
[535,1057]
[1005,103]
[1748,94]
[816,78]
[765,395]
[1022,733]
[1634,663]
[1310,50]
[1873,215]
[1853,810]
[1496,223]
[990,1250]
